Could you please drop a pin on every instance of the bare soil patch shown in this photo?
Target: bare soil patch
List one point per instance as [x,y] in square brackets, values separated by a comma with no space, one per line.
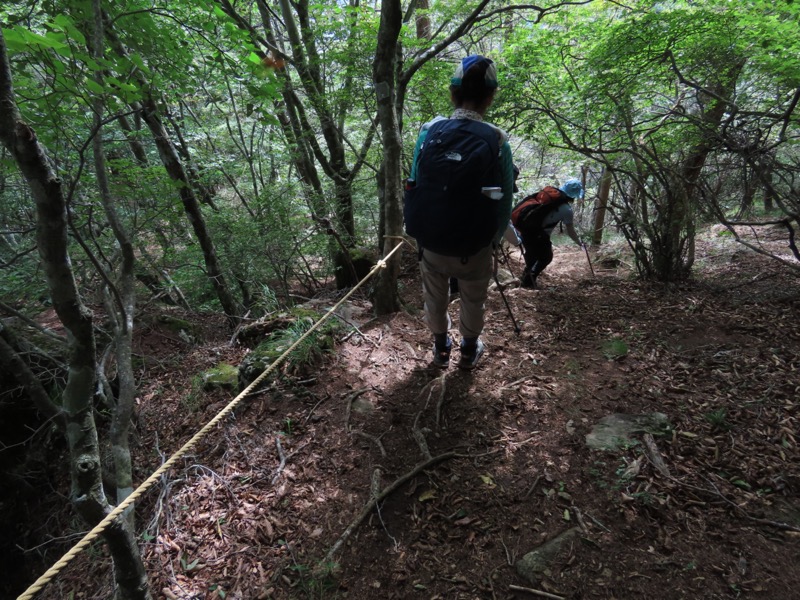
[257,508]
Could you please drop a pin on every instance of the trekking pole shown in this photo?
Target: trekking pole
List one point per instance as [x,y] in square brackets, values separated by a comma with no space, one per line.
[589,260]
[507,258]
[503,296]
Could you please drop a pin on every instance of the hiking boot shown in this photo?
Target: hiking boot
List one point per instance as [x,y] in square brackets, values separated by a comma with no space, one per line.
[471,356]
[441,356]
[527,281]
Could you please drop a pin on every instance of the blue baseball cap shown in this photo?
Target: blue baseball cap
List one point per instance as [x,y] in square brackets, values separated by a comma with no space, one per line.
[490,78]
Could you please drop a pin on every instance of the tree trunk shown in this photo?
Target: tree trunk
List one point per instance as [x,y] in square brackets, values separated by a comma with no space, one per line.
[137,149]
[768,199]
[423,21]
[288,116]
[12,362]
[301,134]
[306,60]
[191,205]
[601,207]
[51,234]
[383,75]
[121,313]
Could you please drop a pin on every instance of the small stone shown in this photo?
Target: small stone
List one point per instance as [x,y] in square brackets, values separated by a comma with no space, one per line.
[537,562]
[617,430]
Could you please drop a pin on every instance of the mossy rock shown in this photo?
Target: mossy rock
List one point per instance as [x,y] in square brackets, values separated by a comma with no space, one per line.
[363,260]
[303,357]
[254,334]
[185,329]
[533,565]
[619,430]
[223,376]
[256,361]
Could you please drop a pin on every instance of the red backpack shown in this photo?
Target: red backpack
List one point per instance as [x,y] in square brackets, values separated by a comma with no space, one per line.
[527,216]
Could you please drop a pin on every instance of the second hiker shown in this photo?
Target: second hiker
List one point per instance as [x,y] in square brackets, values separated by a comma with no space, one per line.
[536,217]
[457,204]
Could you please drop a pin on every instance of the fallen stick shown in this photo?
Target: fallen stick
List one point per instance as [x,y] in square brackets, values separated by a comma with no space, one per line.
[282,464]
[533,487]
[350,399]
[518,588]
[439,404]
[654,455]
[579,516]
[373,439]
[715,492]
[374,499]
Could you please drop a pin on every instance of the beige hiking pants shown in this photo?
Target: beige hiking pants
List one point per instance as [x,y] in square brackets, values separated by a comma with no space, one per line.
[473,283]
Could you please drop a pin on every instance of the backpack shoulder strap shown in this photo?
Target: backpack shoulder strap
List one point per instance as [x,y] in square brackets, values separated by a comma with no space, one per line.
[427,128]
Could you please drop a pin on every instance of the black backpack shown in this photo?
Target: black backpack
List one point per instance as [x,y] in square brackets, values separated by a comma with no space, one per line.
[445,209]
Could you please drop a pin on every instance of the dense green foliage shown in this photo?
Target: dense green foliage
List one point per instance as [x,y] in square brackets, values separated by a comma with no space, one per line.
[680,102]
[629,90]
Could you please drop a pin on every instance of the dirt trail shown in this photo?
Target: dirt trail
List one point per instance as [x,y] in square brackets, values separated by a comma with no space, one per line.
[255,511]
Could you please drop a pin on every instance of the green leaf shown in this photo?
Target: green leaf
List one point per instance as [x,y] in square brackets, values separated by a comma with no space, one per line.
[62,21]
[23,39]
[139,62]
[427,495]
[254,58]
[93,64]
[14,39]
[95,87]
[59,66]
[128,87]
[65,24]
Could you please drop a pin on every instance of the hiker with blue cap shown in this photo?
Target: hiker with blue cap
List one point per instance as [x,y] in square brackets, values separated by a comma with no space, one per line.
[535,218]
[456,205]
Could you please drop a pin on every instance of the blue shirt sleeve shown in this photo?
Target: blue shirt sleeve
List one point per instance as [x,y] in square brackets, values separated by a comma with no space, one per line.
[420,139]
[563,214]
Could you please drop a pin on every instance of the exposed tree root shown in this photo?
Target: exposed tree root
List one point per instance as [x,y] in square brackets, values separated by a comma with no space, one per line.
[376,498]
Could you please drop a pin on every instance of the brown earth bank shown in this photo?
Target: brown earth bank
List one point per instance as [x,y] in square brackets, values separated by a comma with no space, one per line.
[374,475]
